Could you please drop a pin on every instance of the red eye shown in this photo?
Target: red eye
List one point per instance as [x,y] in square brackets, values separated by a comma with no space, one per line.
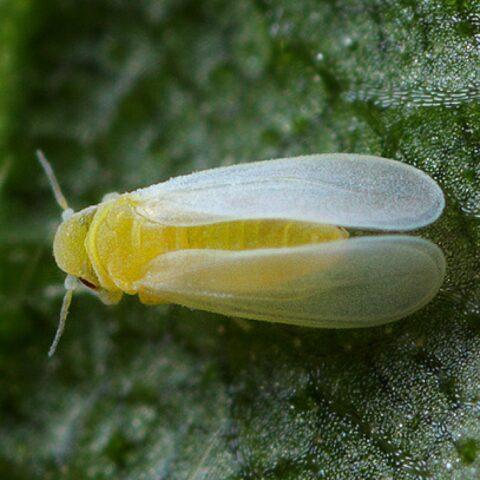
[88,284]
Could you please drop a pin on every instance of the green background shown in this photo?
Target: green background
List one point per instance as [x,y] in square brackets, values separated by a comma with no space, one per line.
[122,94]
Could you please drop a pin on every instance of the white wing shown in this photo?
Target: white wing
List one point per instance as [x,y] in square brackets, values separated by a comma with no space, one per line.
[340,189]
[354,283]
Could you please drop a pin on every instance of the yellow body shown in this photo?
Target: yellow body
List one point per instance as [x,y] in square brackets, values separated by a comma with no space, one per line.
[111,246]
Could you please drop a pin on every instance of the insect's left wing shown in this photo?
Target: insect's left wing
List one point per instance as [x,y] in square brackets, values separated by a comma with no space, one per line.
[359,282]
[346,190]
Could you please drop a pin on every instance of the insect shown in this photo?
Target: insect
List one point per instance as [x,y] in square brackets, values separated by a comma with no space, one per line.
[265,241]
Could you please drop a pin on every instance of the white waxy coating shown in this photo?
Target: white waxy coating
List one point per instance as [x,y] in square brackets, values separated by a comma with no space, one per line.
[349,190]
[358,282]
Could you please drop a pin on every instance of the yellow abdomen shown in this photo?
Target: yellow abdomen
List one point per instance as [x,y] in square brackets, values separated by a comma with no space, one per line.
[120,243]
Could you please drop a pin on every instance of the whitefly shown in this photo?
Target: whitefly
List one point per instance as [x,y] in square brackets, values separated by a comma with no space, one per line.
[266,240]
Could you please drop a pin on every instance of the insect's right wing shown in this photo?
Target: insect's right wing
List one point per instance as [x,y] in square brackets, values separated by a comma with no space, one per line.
[360,282]
[346,190]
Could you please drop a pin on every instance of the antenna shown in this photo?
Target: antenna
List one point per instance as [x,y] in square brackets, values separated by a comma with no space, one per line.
[57,191]
[70,281]
[70,285]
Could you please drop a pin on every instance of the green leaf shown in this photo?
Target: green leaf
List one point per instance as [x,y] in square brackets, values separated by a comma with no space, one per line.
[125,94]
